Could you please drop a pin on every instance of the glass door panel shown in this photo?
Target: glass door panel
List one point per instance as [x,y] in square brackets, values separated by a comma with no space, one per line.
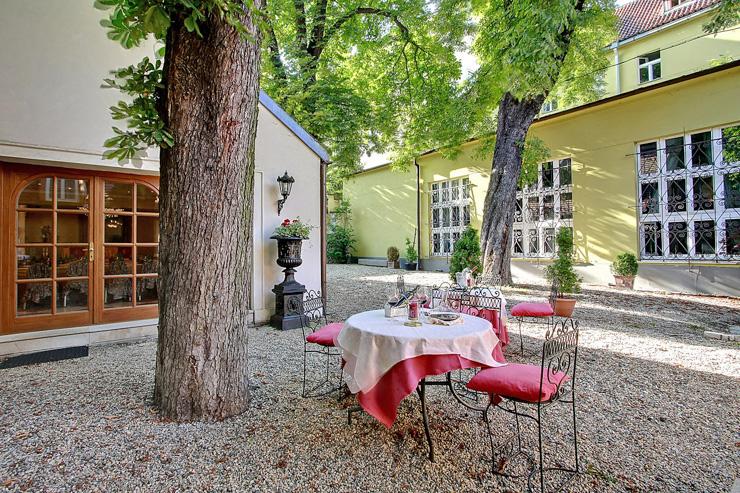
[52,273]
[130,246]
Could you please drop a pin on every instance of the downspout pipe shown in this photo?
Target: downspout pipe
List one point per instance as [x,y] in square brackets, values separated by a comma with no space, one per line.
[324,198]
[418,213]
[617,68]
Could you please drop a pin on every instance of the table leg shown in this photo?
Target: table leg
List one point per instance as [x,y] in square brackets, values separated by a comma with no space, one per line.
[421,390]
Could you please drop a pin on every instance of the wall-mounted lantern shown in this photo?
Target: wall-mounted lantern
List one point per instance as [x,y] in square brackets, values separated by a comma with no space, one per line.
[286,184]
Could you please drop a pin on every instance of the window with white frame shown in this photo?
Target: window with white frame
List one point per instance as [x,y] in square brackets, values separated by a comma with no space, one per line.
[689,196]
[648,66]
[542,208]
[549,106]
[450,214]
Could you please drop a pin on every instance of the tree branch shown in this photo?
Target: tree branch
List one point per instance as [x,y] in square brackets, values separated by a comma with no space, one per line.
[274,51]
[300,22]
[405,33]
[318,30]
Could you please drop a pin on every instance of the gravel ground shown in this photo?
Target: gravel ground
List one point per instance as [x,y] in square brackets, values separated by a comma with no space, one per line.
[658,409]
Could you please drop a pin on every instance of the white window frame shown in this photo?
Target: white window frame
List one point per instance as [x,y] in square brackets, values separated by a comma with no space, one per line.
[531,226]
[665,215]
[445,198]
[650,65]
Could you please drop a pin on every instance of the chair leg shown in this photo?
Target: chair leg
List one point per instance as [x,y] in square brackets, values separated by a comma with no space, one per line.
[521,339]
[305,354]
[539,433]
[575,428]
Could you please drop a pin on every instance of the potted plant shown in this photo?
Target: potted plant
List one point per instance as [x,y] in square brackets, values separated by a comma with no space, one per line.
[466,254]
[624,269]
[289,293]
[411,255]
[290,236]
[392,255]
[562,273]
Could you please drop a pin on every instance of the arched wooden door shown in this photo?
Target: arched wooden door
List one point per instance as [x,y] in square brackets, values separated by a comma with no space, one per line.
[83,249]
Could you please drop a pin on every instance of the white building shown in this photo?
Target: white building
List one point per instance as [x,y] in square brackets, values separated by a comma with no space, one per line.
[79,235]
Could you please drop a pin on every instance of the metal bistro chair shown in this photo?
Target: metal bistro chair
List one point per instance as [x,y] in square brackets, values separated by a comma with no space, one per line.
[536,311]
[478,302]
[525,391]
[483,302]
[318,338]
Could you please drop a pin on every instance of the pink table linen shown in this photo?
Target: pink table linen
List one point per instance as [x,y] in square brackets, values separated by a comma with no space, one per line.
[381,400]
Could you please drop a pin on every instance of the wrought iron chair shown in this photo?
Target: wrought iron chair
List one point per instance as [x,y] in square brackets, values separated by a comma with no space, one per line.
[489,281]
[483,302]
[537,311]
[318,338]
[525,391]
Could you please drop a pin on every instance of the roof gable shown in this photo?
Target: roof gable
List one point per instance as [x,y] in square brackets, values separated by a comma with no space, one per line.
[639,16]
[287,120]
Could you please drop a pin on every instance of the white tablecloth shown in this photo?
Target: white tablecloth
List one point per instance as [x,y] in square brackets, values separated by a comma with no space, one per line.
[372,344]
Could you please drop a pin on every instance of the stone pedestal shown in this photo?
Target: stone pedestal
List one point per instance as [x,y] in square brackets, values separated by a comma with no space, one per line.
[289,293]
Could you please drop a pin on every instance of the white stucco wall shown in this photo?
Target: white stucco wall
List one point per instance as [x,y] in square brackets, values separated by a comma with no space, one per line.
[279,150]
[53,60]
[53,111]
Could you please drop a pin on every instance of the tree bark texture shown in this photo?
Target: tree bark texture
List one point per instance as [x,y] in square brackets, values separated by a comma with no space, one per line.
[514,120]
[211,93]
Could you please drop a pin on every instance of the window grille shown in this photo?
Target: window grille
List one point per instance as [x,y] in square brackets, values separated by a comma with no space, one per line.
[541,209]
[689,196]
[450,211]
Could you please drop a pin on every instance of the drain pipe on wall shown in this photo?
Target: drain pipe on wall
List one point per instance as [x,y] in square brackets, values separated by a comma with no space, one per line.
[418,214]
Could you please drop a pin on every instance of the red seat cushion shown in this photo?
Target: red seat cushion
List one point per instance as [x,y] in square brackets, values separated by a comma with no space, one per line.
[518,381]
[326,334]
[532,310]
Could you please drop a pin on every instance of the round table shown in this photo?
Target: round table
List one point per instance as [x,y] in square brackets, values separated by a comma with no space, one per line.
[385,360]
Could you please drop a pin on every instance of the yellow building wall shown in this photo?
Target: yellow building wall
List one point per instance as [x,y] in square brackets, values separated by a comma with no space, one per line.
[383,203]
[680,53]
[601,142]
[468,163]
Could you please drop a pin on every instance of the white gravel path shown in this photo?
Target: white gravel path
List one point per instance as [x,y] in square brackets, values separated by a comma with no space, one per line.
[659,408]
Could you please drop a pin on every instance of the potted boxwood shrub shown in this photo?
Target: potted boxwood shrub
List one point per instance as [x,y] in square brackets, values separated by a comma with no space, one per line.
[624,269]
[466,253]
[561,272]
[392,256]
[411,255]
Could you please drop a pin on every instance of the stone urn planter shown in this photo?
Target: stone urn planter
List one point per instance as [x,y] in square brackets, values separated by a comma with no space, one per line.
[289,293]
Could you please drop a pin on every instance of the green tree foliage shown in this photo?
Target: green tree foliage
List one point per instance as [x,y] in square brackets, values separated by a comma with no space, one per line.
[625,264]
[726,16]
[411,254]
[530,48]
[340,243]
[340,239]
[561,270]
[466,253]
[367,76]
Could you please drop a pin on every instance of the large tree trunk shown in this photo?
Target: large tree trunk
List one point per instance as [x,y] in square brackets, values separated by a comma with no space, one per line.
[211,92]
[514,120]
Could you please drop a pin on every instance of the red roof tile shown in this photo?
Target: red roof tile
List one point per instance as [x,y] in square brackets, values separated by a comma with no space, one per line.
[639,16]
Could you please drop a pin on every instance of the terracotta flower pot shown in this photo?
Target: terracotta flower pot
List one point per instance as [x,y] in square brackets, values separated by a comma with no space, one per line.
[624,281]
[564,307]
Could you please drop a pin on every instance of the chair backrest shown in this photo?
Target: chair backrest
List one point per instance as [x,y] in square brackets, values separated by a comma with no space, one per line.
[479,300]
[493,281]
[447,292]
[314,313]
[559,354]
